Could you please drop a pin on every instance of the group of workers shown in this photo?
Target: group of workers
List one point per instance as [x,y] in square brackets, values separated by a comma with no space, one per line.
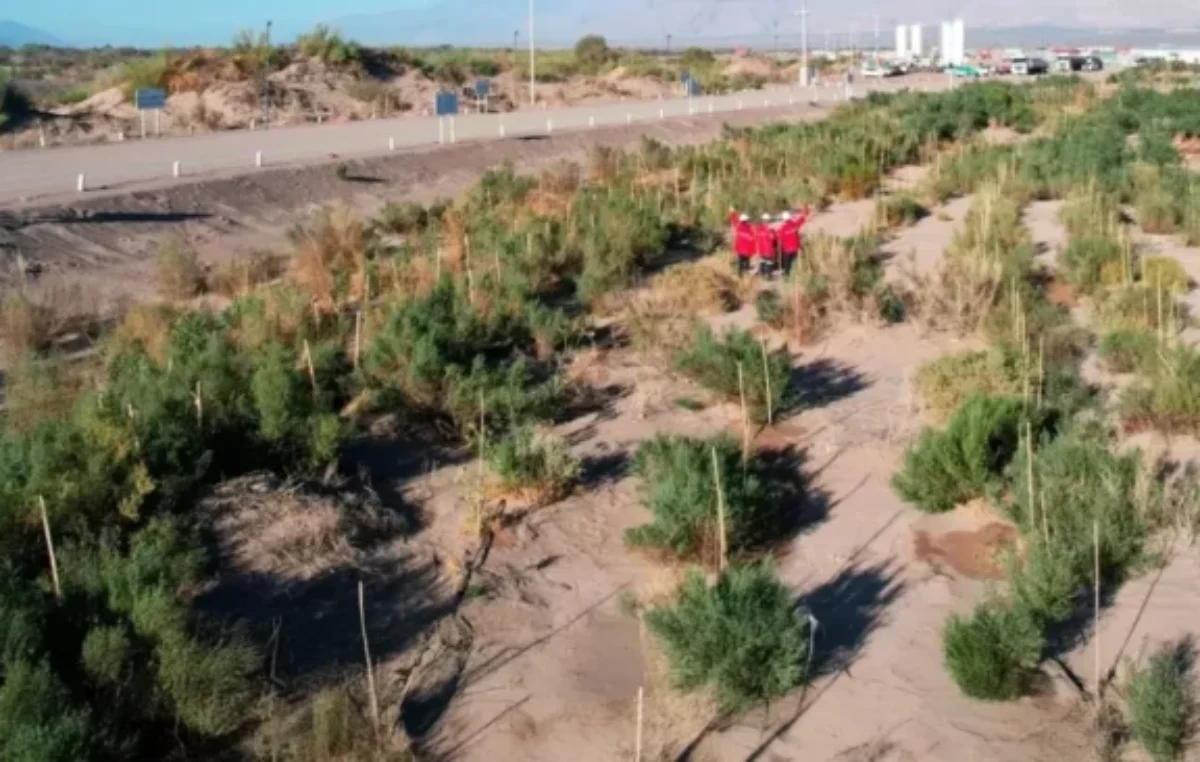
[776,245]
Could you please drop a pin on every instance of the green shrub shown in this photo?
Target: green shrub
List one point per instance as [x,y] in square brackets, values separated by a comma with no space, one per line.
[1168,397]
[1078,481]
[899,210]
[946,468]
[1128,351]
[1161,700]
[37,719]
[1090,262]
[677,486]
[947,382]
[1165,273]
[533,464]
[714,362]
[991,653]
[592,53]
[743,637]
[769,308]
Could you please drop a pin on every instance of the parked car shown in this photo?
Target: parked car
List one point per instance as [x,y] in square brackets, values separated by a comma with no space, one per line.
[967,71]
[879,69]
[1092,63]
[1019,66]
[1038,66]
[1003,67]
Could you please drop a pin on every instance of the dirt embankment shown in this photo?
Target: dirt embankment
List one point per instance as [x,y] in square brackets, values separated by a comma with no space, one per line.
[104,245]
[212,95]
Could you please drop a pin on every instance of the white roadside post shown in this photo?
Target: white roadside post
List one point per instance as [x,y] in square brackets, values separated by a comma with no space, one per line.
[441,129]
[662,113]
[501,120]
[176,169]
[591,121]
[258,159]
[80,184]
[549,126]
[453,136]
[628,118]
[391,144]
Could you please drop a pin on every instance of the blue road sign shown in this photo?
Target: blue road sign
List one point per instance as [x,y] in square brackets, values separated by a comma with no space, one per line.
[691,87]
[482,88]
[445,103]
[147,98]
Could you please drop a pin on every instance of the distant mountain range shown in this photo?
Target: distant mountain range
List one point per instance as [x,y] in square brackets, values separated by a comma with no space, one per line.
[14,35]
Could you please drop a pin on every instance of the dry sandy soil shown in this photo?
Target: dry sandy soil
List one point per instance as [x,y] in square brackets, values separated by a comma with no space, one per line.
[541,660]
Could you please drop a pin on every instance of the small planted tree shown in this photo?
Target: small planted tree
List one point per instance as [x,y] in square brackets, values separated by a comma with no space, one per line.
[1162,702]
[744,637]
[948,467]
[679,487]
[534,465]
[592,53]
[714,363]
[991,653]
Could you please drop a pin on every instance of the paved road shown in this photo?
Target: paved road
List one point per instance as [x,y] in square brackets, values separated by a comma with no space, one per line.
[39,173]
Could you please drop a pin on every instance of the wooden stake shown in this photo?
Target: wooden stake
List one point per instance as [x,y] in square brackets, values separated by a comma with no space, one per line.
[637,742]
[312,373]
[372,695]
[1041,369]
[1045,520]
[745,414]
[199,407]
[722,541]
[796,303]
[1029,474]
[50,550]
[1096,572]
[767,381]
[357,336]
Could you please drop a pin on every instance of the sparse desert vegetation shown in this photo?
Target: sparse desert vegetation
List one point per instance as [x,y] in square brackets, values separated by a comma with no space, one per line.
[490,417]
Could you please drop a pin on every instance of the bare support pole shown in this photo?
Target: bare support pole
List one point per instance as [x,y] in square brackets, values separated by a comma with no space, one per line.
[362,623]
[50,550]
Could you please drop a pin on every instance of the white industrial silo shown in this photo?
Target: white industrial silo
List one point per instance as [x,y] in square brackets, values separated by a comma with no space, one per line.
[901,42]
[960,42]
[915,44]
[946,44]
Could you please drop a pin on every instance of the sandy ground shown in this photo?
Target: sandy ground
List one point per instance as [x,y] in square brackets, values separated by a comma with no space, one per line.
[558,664]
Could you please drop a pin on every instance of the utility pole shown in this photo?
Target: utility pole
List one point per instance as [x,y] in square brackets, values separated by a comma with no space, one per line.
[264,94]
[803,14]
[875,50]
[516,43]
[532,61]
[668,43]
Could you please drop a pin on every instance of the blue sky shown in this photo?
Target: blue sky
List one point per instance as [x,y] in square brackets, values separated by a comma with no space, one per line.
[155,22]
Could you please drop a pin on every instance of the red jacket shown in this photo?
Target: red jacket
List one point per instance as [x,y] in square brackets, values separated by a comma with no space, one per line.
[743,236]
[764,240]
[789,233]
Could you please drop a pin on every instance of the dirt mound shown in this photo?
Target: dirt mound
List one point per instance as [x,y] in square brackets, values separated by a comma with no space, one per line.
[750,67]
[969,542]
[289,532]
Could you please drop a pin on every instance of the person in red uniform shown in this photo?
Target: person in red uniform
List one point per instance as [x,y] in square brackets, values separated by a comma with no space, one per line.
[790,243]
[765,241]
[743,240]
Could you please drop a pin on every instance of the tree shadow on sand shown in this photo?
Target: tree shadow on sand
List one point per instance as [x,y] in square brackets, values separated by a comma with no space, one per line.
[824,381]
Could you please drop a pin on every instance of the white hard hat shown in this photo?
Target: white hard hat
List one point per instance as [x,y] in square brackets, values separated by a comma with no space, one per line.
[785,216]
[744,218]
[766,217]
